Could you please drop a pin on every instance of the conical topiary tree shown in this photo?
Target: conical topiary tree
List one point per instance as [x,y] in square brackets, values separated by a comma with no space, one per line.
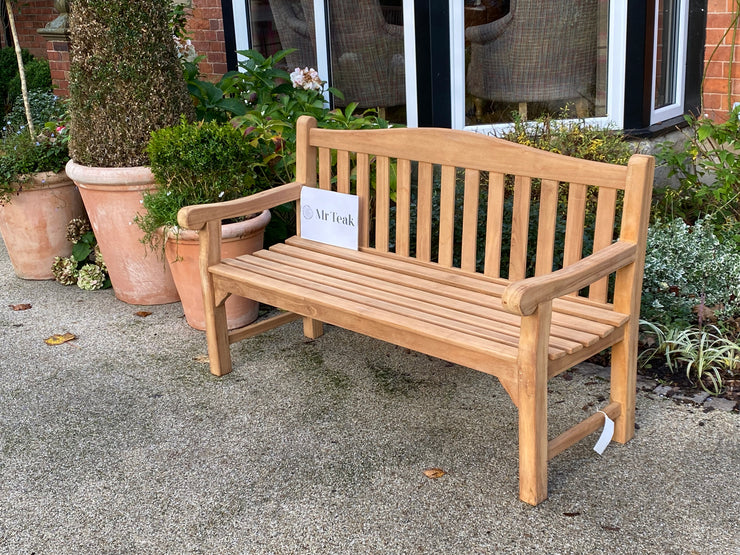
[125,80]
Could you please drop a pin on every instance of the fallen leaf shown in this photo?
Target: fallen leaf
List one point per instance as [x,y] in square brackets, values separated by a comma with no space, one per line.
[572,514]
[22,306]
[201,358]
[611,528]
[59,339]
[142,313]
[434,473]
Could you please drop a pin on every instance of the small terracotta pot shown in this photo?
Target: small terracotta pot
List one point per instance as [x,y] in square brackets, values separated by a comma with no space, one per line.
[182,252]
[34,223]
[113,197]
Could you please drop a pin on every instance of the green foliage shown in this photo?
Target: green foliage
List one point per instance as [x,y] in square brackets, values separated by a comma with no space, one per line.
[9,71]
[22,155]
[707,166]
[705,355]
[691,275]
[125,79]
[572,138]
[38,78]
[197,163]
[261,101]
[45,106]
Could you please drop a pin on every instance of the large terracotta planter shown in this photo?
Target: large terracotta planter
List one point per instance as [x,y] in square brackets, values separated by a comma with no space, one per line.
[34,223]
[112,197]
[182,252]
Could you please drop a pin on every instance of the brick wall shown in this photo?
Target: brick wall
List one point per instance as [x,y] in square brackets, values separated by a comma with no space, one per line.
[31,15]
[722,60]
[206,27]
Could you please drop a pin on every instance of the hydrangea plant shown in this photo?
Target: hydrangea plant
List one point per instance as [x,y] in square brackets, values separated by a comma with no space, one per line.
[85,266]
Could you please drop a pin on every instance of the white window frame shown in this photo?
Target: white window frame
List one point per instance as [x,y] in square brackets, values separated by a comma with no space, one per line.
[617,46]
[241,27]
[676,108]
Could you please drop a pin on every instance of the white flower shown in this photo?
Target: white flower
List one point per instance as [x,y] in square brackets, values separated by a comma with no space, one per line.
[307,79]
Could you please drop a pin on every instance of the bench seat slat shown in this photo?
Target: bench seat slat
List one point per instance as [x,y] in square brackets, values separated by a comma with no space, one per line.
[484,310]
[564,325]
[424,312]
[574,306]
[461,348]
[463,314]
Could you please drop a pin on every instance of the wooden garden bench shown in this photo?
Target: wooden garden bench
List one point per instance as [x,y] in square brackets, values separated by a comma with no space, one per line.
[433,272]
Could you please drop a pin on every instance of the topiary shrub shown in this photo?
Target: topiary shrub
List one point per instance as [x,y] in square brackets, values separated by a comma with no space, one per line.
[125,80]
[197,163]
[38,78]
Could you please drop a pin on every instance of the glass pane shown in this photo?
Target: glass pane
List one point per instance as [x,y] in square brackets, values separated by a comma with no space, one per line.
[367,57]
[281,24]
[666,52]
[535,58]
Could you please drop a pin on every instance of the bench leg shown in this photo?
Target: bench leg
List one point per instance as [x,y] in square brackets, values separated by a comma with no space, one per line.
[623,384]
[217,336]
[312,328]
[535,332]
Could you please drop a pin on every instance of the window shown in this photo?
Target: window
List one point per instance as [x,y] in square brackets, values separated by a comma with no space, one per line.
[536,58]
[670,28]
[474,63]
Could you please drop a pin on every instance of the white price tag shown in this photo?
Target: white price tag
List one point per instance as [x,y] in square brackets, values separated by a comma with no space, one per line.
[329,217]
[606,434]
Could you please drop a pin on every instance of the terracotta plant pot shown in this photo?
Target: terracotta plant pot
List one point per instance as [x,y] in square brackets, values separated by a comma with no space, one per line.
[112,197]
[34,223]
[182,252]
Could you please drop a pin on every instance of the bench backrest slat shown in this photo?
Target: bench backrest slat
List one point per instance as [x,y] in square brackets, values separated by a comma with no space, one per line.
[363,191]
[343,171]
[470,220]
[447,216]
[546,226]
[382,203]
[403,207]
[520,227]
[494,224]
[475,202]
[574,224]
[603,235]
[424,212]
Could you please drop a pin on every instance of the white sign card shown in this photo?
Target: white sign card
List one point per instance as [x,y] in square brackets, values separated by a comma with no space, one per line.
[330,217]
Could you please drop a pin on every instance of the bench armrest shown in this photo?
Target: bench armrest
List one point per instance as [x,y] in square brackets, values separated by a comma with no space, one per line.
[524,296]
[196,216]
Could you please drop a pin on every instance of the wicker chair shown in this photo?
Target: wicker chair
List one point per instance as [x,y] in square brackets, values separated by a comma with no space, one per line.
[367,53]
[538,52]
[293,31]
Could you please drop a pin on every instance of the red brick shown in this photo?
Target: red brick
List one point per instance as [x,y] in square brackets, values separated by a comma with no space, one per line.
[715,85]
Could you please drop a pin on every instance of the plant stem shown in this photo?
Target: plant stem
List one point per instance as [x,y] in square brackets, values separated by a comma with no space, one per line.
[21,68]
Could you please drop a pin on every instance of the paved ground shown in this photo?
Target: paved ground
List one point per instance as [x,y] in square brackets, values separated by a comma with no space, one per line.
[122,442]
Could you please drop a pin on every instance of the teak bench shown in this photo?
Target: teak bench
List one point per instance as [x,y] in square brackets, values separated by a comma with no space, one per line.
[429,273]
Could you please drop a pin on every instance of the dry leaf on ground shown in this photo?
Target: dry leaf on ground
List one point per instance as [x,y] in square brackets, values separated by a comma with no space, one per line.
[142,313]
[434,473]
[21,306]
[58,339]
